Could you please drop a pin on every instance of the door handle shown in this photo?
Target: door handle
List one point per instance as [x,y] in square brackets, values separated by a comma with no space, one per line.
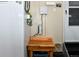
[65,11]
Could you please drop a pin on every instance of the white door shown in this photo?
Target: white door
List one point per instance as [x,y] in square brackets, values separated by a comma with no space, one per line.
[11,29]
[71,21]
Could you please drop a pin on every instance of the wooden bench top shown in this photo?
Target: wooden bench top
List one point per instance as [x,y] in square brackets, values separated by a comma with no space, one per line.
[41,42]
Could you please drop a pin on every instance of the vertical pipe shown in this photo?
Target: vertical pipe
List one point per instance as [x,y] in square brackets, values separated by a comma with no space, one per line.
[42,24]
[45,25]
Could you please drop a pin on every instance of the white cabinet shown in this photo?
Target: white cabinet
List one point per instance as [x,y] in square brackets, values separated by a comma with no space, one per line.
[11,29]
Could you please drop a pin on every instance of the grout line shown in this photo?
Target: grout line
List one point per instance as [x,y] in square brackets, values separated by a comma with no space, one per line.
[66,50]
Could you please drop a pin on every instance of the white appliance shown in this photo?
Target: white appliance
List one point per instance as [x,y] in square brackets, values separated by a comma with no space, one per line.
[11,29]
[71,33]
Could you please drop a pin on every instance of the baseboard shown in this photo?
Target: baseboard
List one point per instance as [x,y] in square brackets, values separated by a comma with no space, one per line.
[59,47]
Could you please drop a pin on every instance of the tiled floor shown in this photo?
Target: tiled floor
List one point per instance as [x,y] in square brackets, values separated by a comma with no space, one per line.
[59,54]
[72,48]
[45,54]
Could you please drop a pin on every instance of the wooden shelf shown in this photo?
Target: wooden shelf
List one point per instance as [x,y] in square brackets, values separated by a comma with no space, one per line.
[41,44]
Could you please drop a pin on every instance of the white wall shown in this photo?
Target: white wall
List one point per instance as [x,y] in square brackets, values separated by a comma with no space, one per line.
[27,34]
[54,20]
[11,29]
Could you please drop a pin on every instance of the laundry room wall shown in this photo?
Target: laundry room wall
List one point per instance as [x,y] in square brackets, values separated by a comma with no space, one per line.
[53,19]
